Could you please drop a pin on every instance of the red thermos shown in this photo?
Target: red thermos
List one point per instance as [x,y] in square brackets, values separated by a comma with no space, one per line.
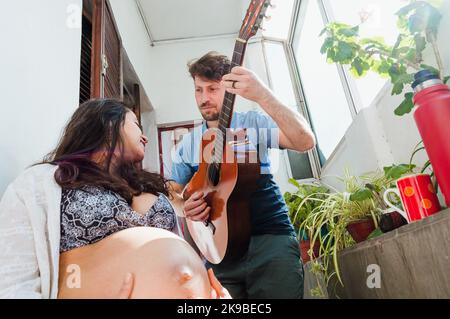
[432,115]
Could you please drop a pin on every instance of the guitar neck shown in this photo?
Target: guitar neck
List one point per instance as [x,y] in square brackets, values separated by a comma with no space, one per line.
[228,102]
[229,99]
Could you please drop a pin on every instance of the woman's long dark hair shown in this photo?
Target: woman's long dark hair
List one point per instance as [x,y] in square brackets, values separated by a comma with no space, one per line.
[95,126]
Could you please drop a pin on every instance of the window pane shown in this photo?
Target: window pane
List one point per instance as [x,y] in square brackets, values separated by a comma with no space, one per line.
[325,98]
[381,21]
[280,18]
[300,165]
[279,73]
[282,86]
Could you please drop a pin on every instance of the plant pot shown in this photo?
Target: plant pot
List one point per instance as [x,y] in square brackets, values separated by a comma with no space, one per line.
[361,229]
[305,245]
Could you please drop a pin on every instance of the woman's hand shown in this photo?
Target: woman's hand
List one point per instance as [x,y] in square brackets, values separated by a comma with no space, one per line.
[217,291]
[127,287]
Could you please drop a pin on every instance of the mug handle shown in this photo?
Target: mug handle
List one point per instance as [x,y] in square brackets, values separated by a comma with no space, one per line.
[386,200]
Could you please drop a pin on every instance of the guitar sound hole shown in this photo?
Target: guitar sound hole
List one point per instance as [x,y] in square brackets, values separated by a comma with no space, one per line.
[214,173]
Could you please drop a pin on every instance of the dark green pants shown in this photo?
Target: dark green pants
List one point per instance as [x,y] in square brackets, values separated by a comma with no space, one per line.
[272,268]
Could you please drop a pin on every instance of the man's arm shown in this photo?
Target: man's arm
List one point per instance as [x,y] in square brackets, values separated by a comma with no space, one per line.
[295,133]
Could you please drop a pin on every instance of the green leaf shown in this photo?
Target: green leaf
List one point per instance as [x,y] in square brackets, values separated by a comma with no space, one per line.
[349,32]
[397,171]
[421,42]
[394,72]
[377,232]
[361,195]
[395,52]
[331,56]
[345,52]
[411,55]
[417,23]
[406,106]
[446,79]
[328,43]
[397,88]
[383,67]
[400,81]
[359,67]
[425,166]
[323,31]
[378,42]
[294,182]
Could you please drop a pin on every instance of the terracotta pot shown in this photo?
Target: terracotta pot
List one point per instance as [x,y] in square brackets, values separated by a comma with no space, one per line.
[361,229]
[305,246]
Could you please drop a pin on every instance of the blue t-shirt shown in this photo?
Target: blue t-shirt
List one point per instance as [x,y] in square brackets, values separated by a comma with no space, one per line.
[269,213]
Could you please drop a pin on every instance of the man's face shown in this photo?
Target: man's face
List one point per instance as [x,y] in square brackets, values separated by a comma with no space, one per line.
[209,96]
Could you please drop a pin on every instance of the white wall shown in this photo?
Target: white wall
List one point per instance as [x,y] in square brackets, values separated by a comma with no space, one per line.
[39,63]
[378,137]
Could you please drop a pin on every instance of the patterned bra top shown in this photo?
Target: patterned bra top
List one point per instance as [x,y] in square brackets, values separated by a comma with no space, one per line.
[89,214]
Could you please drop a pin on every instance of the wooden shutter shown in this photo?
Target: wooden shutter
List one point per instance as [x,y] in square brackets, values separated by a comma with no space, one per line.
[85,66]
[107,53]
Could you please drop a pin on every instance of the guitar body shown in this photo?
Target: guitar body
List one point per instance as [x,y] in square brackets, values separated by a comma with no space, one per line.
[227,235]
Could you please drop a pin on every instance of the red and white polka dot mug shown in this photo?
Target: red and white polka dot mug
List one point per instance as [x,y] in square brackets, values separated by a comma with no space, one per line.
[418,197]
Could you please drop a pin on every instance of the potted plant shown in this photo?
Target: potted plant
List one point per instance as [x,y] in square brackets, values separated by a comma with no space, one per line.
[358,204]
[299,209]
[418,24]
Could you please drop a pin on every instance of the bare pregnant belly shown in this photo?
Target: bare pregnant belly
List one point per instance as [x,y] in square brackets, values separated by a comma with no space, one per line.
[163,264]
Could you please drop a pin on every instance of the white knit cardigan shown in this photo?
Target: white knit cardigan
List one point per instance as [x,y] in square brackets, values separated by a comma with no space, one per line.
[30,235]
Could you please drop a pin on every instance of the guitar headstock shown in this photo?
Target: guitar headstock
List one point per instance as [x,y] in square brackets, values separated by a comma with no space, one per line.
[253,19]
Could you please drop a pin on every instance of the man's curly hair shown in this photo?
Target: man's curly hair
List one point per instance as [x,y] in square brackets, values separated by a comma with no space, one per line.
[212,66]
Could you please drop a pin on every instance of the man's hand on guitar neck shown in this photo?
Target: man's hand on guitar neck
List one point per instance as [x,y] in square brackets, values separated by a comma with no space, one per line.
[295,132]
[195,207]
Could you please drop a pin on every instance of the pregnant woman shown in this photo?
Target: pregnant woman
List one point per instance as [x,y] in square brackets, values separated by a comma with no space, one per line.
[75,225]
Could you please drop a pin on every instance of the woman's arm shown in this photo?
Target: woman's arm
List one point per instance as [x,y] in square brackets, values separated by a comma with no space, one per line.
[19,269]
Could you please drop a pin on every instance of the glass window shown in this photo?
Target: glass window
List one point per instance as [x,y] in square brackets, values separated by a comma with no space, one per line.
[277,26]
[281,82]
[278,69]
[300,165]
[380,20]
[325,98]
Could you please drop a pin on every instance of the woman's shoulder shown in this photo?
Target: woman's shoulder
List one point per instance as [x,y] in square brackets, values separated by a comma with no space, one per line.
[35,175]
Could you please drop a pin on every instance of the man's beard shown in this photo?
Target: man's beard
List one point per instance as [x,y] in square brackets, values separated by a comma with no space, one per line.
[210,115]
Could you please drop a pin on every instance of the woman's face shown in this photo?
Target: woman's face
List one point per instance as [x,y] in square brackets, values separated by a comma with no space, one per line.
[134,140]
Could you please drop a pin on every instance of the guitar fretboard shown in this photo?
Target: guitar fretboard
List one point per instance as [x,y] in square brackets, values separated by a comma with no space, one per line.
[228,104]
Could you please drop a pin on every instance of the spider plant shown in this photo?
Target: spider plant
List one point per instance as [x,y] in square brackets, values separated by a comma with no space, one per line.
[299,209]
[334,211]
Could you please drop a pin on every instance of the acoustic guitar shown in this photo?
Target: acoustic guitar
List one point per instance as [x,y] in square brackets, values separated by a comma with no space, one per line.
[228,170]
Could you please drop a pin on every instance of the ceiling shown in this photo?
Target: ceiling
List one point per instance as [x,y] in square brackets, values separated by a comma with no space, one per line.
[168,20]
